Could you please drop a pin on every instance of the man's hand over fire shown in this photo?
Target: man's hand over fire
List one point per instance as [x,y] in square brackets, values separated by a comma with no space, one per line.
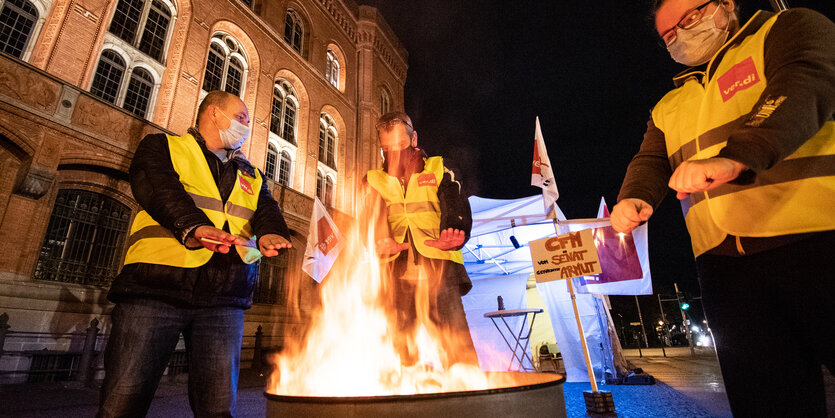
[270,244]
[449,239]
[213,239]
[388,247]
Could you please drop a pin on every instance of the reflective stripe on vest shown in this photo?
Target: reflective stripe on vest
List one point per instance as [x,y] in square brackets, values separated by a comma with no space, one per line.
[418,211]
[150,242]
[796,195]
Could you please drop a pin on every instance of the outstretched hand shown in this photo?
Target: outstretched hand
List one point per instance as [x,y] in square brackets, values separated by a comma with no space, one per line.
[213,239]
[387,247]
[270,244]
[449,239]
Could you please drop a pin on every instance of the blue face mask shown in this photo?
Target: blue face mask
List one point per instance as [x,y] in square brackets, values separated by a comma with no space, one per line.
[233,136]
[695,46]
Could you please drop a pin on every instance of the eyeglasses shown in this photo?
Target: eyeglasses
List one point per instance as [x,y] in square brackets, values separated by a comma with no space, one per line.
[688,20]
[392,123]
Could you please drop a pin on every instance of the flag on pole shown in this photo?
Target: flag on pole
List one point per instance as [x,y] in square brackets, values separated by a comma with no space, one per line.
[542,174]
[324,242]
[624,260]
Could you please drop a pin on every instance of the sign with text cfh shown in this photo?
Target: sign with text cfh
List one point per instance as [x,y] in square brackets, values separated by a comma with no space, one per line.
[565,256]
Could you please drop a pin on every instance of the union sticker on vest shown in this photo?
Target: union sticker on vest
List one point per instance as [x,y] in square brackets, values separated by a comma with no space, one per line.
[245,185]
[738,78]
[427,179]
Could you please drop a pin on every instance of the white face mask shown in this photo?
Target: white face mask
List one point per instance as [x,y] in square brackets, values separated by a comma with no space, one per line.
[695,46]
[233,136]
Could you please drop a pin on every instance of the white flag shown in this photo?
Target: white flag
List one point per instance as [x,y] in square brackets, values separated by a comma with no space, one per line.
[542,174]
[324,242]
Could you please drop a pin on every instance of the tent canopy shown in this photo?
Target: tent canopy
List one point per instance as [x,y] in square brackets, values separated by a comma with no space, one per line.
[490,251]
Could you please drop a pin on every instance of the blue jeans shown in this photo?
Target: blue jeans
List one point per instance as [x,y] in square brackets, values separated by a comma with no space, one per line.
[145,333]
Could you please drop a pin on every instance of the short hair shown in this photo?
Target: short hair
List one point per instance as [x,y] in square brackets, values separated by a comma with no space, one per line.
[388,121]
[214,98]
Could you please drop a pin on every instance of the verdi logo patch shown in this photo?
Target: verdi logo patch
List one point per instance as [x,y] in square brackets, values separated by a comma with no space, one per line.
[739,77]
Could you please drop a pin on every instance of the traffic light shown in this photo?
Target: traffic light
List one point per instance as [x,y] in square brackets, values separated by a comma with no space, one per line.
[683,304]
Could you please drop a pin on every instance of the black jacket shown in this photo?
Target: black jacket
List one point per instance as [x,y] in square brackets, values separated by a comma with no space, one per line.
[225,280]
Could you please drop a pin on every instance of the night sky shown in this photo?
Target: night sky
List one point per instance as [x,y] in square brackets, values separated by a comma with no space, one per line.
[480,72]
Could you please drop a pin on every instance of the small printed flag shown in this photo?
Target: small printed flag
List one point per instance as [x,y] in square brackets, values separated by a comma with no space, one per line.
[324,242]
[542,174]
[624,260]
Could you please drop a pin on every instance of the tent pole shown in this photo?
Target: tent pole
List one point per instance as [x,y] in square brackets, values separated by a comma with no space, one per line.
[570,284]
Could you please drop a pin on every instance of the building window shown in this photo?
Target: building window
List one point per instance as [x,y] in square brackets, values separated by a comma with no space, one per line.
[328,192]
[293,30]
[269,289]
[272,159]
[327,141]
[283,113]
[332,69]
[151,19]
[138,96]
[17,21]
[84,239]
[111,75]
[108,78]
[225,66]
[320,186]
[284,168]
[385,101]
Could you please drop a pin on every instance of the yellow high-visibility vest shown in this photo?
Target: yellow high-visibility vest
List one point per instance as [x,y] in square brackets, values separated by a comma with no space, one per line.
[796,195]
[417,209]
[152,243]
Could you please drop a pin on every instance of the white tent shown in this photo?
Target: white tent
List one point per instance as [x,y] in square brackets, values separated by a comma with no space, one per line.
[498,267]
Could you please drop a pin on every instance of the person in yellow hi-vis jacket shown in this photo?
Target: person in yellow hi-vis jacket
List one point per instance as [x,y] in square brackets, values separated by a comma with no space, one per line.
[747,140]
[192,262]
[421,219]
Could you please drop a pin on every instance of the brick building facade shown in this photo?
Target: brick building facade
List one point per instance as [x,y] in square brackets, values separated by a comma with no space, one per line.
[82,81]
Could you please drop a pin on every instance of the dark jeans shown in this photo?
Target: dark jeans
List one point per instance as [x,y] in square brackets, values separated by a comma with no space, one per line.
[773,318]
[145,333]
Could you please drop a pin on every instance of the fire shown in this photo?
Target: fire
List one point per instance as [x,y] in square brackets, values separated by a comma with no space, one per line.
[351,346]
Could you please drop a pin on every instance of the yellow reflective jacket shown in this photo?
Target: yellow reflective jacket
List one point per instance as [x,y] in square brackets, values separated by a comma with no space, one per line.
[793,196]
[417,209]
[152,243]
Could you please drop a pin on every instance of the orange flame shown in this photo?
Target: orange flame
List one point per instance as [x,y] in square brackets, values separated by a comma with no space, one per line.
[354,344]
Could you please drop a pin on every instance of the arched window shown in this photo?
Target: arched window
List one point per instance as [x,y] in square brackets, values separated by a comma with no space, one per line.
[151,19]
[140,86]
[283,113]
[108,78]
[272,157]
[293,30]
[328,192]
[112,74]
[17,21]
[225,65]
[284,168]
[332,69]
[320,186]
[385,101]
[327,140]
[84,239]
